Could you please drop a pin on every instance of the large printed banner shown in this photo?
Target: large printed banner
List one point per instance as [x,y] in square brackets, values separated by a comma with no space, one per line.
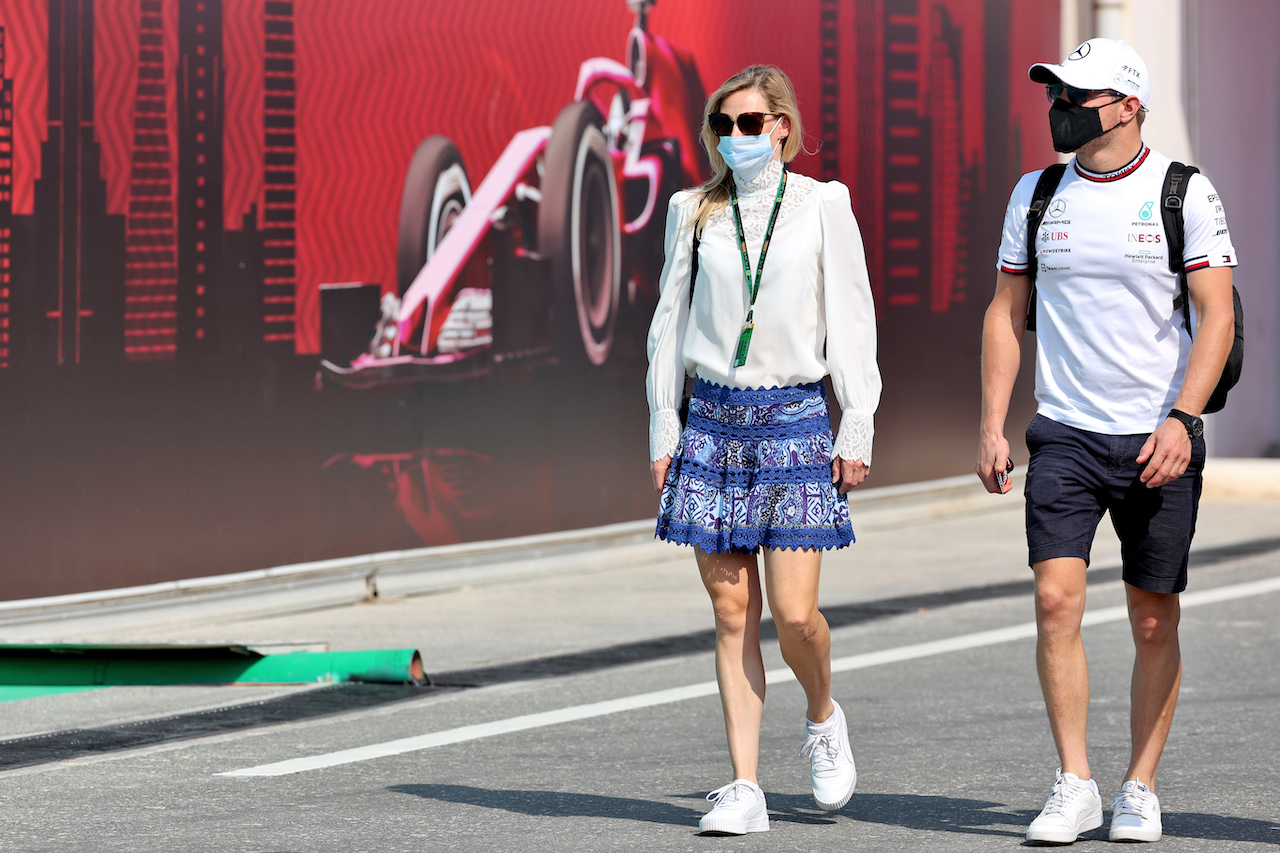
[284,281]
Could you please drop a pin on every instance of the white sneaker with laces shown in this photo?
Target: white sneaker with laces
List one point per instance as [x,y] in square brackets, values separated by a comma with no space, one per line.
[1073,807]
[1135,814]
[831,768]
[739,808]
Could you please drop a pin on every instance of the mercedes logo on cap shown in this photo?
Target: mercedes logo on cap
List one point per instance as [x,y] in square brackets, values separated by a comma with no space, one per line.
[1081,52]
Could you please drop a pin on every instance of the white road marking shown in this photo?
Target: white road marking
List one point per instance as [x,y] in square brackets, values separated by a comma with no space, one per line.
[709,688]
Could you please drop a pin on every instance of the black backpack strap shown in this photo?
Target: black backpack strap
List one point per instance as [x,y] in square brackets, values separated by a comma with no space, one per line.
[1046,186]
[1172,196]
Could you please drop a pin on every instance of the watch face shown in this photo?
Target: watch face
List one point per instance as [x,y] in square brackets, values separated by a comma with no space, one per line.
[1194,425]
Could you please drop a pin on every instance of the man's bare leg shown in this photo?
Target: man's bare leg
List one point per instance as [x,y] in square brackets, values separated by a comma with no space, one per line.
[1060,658]
[1157,676]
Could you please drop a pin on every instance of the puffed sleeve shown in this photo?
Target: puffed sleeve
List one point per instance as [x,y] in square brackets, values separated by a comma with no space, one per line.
[851,324]
[665,379]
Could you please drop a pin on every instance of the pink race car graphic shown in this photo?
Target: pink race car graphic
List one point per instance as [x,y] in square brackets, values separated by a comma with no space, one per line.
[562,236]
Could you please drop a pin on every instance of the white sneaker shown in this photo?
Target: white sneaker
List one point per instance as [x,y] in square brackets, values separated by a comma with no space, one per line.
[831,768]
[1073,807]
[739,808]
[1135,814]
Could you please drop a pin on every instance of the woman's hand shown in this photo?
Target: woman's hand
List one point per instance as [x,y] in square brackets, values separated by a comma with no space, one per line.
[847,474]
[658,468]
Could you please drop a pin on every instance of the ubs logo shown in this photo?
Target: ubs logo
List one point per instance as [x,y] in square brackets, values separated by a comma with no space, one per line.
[1145,213]
[1057,208]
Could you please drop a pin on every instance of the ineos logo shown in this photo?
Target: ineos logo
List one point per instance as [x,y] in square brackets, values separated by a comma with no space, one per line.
[1081,52]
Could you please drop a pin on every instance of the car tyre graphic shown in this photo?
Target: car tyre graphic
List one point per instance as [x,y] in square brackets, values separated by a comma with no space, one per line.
[579,233]
[436,191]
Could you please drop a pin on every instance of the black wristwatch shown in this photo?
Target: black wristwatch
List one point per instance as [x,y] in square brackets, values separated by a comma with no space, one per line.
[1194,425]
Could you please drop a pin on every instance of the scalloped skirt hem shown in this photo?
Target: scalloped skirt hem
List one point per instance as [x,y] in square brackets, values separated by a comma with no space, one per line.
[746,541]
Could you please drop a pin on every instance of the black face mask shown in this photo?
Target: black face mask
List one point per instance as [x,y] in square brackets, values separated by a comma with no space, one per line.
[1072,125]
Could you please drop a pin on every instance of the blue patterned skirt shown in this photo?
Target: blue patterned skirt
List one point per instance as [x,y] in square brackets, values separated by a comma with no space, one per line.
[752,470]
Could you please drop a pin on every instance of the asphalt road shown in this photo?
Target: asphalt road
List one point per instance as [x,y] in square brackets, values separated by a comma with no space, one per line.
[947,724]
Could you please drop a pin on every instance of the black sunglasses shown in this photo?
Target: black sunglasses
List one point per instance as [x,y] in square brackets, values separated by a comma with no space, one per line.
[752,124]
[1079,97]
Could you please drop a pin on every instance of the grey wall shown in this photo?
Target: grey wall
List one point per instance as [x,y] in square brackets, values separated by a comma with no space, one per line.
[1234,73]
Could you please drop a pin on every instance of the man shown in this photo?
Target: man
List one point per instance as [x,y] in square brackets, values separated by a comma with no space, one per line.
[1120,385]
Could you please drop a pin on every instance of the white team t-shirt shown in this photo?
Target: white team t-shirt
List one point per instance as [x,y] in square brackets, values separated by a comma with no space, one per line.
[1111,348]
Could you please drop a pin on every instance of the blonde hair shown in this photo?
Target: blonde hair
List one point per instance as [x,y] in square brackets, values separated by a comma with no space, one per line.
[775,87]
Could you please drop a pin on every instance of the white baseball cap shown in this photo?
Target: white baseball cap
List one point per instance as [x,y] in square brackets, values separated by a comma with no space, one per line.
[1098,65]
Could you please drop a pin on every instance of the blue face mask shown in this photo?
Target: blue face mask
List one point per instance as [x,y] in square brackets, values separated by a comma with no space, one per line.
[746,155]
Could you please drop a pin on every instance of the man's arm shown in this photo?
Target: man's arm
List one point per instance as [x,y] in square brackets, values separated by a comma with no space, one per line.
[1002,330]
[1168,451]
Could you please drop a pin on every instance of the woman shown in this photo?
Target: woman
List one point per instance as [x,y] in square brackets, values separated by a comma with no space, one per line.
[756,467]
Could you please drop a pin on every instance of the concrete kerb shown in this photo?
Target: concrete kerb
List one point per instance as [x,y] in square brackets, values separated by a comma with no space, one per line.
[330,583]
[1242,479]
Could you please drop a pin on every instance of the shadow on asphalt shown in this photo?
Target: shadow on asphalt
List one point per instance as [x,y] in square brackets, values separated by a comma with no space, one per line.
[909,811]
[905,810]
[923,812]
[555,803]
[1212,827]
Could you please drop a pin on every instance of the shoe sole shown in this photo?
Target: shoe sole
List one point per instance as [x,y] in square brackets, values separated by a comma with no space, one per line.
[1049,836]
[1133,833]
[732,827]
[839,804]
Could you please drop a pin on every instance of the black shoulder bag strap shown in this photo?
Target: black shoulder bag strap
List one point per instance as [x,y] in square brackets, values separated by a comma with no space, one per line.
[1172,196]
[693,273]
[693,280]
[1045,188]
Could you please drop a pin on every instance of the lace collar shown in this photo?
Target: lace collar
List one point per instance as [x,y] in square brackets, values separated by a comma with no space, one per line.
[767,180]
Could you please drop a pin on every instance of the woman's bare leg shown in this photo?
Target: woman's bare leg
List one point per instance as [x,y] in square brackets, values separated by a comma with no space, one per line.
[791,578]
[733,582]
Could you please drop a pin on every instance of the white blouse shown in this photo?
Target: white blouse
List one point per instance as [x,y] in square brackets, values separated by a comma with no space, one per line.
[814,313]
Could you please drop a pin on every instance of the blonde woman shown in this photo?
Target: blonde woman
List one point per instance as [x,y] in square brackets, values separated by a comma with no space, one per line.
[780,300]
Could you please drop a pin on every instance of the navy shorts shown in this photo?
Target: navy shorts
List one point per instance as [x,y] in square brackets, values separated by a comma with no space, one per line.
[1074,476]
